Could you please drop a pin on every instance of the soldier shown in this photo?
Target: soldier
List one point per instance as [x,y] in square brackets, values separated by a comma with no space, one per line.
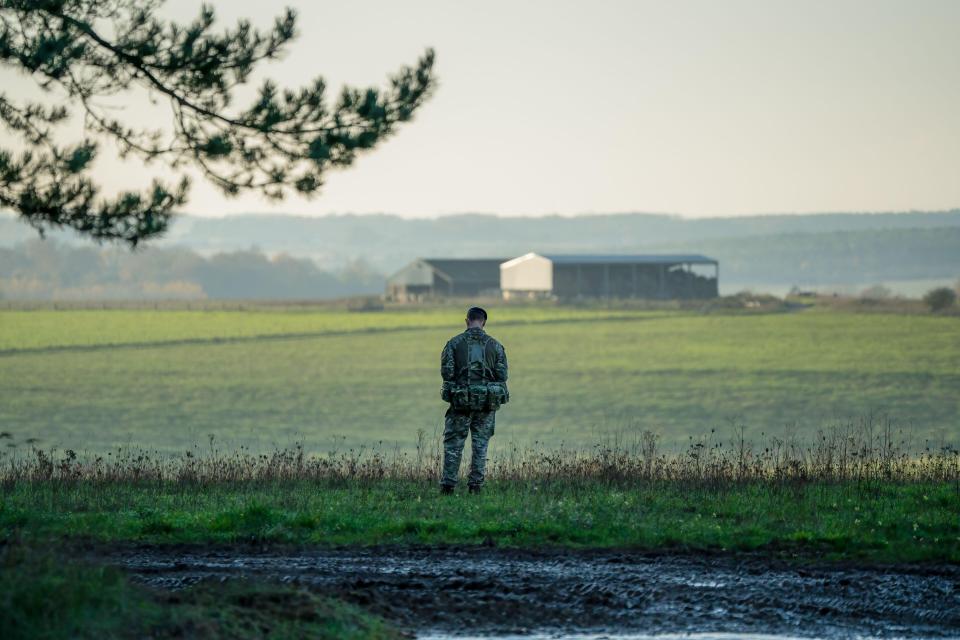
[473,366]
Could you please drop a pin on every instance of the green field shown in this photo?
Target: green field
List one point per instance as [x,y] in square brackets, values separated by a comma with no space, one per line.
[92,380]
[881,522]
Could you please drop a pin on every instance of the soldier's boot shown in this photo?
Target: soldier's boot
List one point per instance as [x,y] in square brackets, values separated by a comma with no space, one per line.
[474,489]
[446,489]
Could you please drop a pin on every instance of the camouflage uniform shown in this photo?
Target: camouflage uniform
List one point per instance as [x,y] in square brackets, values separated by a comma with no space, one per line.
[480,424]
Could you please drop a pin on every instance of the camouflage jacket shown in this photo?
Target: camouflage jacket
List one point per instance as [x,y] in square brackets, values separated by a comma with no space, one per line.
[453,359]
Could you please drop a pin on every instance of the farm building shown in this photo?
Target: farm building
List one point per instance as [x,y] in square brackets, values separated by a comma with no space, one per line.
[445,277]
[610,276]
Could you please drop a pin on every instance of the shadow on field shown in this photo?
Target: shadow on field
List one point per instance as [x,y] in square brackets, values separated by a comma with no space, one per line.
[496,591]
[302,335]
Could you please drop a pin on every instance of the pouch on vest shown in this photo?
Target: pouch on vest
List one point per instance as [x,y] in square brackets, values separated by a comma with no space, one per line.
[479,397]
[477,394]
[497,395]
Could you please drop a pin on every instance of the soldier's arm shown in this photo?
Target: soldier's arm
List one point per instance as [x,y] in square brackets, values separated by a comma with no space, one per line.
[447,371]
[500,370]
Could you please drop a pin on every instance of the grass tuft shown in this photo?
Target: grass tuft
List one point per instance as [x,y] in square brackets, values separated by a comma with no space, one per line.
[48,595]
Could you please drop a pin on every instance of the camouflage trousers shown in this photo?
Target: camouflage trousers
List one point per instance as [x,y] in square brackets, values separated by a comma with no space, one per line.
[480,425]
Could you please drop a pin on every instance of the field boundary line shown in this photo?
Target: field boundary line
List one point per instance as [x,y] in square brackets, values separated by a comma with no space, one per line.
[301,335]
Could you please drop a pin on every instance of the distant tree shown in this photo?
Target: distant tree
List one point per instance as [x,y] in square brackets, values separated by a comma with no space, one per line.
[876,292]
[82,50]
[940,298]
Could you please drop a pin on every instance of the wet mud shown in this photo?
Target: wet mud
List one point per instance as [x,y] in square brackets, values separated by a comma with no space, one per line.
[481,591]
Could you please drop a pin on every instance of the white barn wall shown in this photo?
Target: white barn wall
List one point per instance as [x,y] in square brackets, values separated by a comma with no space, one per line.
[528,273]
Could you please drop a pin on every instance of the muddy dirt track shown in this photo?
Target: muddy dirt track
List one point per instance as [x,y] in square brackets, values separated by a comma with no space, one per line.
[493,591]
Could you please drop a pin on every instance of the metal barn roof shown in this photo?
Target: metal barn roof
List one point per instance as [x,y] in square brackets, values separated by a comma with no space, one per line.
[467,269]
[691,258]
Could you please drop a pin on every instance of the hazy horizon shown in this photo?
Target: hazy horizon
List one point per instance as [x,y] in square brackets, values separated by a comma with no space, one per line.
[695,109]
[281,212]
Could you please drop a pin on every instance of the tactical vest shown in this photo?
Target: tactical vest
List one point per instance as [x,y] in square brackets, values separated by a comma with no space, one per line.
[475,389]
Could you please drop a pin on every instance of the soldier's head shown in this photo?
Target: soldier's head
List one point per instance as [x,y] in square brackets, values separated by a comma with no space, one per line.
[476,317]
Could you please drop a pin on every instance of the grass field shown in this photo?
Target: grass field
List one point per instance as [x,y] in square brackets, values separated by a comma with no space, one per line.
[890,523]
[853,496]
[93,380]
[711,423]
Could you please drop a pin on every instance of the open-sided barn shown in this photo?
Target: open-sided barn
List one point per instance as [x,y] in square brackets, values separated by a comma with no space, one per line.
[445,277]
[610,276]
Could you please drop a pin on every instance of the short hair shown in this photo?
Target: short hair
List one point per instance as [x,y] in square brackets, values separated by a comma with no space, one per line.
[476,313]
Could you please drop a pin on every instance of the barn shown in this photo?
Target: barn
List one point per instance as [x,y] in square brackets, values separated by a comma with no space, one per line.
[610,276]
[445,277]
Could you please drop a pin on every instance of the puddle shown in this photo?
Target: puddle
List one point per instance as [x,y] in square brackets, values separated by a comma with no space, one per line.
[627,636]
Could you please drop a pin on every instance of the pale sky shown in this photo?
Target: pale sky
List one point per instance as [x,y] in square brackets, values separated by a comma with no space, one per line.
[701,108]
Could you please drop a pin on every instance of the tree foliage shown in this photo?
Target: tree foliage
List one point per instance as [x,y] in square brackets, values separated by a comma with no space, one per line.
[940,298]
[52,270]
[81,51]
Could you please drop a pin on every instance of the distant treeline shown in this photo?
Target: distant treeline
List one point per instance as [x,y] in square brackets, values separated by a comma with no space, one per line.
[205,257]
[839,257]
[47,269]
[387,242]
